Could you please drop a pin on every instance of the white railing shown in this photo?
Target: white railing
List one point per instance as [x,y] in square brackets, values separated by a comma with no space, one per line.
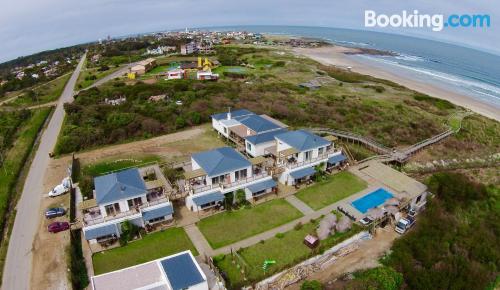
[320,157]
[229,185]
[100,219]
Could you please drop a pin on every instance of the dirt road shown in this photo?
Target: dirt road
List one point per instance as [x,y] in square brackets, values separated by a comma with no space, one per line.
[17,271]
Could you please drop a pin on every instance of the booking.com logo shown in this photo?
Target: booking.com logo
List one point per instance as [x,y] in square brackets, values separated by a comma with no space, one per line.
[435,21]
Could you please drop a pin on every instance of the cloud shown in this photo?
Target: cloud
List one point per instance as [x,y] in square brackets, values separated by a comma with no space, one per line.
[29,26]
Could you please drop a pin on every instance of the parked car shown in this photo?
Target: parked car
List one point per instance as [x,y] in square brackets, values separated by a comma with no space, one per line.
[56,227]
[366,221]
[55,212]
[404,224]
[58,190]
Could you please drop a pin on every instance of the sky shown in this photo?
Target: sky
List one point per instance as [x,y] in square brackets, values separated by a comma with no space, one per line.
[30,26]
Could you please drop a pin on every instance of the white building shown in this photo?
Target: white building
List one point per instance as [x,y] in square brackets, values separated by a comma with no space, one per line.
[180,271]
[223,171]
[121,196]
[299,152]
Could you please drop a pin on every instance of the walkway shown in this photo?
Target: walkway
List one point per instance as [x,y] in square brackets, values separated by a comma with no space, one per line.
[299,204]
[199,241]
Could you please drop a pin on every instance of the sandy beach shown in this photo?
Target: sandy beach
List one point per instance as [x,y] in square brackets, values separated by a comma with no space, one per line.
[335,55]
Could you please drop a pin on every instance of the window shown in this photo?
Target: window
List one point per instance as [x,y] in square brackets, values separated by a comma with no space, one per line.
[219,179]
[242,174]
[418,199]
[225,130]
[158,219]
[134,202]
[112,209]
[249,147]
[321,150]
[307,155]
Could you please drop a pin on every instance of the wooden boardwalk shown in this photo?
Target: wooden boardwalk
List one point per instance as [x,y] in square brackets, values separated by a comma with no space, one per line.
[386,154]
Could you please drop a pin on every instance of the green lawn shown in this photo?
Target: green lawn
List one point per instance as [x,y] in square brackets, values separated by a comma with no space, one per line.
[100,168]
[335,188]
[232,226]
[151,247]
[287,250]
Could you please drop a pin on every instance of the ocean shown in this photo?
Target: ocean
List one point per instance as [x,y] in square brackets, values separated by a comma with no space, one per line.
[463,70]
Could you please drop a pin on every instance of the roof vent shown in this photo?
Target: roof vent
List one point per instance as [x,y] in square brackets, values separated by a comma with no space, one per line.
[122,188]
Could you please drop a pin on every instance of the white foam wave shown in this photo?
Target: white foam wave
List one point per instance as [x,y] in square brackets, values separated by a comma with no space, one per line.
[484,89]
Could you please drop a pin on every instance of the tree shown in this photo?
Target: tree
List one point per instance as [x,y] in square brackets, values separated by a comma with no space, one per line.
[129,231]
[241,197]
[311,285]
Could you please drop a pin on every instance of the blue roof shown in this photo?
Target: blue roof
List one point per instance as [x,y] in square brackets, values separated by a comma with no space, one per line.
[234,114]
[103,231]
[119,185]
[208,198]
[162,211]
[264,137]
[302,172]
[181,271]
[270,183]
[336,158]
[258,123]
[302,140]
[221,160]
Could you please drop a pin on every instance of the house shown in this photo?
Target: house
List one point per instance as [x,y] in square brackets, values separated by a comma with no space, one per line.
[189,48]
[115,102]
[143,66]
[256,145]
[136,195]
[180,271]
[222,171]
[299,152]
[238,125]
[206,75]
[175,74]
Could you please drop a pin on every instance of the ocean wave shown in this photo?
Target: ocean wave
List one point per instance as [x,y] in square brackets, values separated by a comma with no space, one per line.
[407,57]
[473,86]
[351,43]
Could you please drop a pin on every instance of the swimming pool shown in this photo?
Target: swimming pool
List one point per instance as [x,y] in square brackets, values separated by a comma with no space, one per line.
[371,200]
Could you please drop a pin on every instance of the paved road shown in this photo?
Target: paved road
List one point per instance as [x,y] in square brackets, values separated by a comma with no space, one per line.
[17,271]
[111,76]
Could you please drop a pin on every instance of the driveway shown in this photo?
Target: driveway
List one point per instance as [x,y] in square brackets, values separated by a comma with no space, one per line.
[17,269]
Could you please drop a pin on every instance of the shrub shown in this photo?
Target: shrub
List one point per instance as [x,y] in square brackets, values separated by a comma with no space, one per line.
[311,285]
[280,235]
[298,226]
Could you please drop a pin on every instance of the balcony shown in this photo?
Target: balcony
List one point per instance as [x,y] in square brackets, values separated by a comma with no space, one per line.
[195,189]
[93,216]
[321,157]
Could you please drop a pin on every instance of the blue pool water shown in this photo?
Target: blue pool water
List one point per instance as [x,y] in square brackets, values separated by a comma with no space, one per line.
[371,200]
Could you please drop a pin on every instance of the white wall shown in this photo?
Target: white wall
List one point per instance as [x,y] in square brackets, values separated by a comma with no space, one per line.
[258,150]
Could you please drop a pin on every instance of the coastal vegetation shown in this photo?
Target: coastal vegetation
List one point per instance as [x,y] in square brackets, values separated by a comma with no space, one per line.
[454,245]
[18,132]
[346,101]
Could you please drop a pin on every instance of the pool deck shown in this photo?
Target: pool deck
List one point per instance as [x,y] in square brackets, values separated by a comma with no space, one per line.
[386,178]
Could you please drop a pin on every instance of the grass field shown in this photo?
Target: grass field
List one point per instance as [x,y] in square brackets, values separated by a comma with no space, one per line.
[286,249]
[151,247]
[335,188]
[15,159]
[96,169]
[84,77]
[44,93]
[232,226]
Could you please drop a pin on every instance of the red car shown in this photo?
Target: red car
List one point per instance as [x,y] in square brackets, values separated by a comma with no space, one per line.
[56,227]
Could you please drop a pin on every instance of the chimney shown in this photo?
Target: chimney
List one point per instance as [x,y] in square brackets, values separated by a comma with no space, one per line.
[229,114]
